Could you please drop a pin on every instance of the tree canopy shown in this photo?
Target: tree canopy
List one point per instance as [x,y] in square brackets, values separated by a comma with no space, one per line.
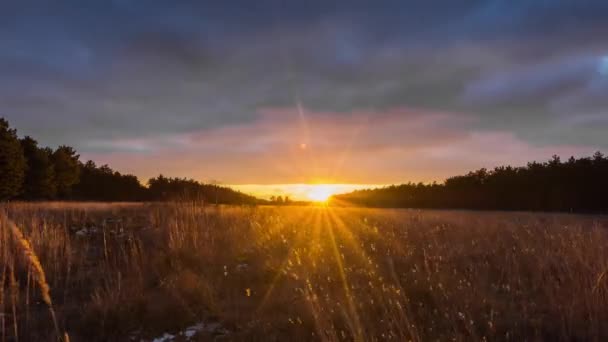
[40,174]
[30,172]
[574,185]
[12,162]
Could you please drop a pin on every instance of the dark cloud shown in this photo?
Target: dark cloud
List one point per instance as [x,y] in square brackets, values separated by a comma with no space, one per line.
[75,72]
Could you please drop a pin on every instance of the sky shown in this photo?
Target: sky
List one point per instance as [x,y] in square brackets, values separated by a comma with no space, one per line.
[268,93]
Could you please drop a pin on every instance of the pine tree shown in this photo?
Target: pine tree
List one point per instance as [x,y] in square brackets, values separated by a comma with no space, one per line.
[67,170]
[40,174]
[12,162]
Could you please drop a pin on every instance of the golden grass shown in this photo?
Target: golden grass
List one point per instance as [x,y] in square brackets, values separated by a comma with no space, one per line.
[23,246]
[120,271]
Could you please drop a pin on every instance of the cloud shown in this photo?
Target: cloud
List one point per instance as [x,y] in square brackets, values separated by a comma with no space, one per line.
[286,145]
[133,79]
[562,84]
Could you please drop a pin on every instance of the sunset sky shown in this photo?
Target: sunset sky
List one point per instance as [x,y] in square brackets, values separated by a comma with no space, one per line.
[265,94]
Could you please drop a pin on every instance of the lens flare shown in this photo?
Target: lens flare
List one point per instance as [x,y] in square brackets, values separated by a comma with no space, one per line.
[321,192]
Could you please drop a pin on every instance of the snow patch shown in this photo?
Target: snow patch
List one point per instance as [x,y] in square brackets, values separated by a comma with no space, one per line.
[165,338]
[188,333]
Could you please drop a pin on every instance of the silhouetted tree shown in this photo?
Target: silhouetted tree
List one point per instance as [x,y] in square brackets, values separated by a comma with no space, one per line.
[574,185]
[67,170]
[163,188]
[104,184]
[40,176]
[44,174]
[12,162]
[280,200]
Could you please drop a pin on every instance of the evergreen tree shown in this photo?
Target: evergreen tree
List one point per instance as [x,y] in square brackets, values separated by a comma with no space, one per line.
[67,170]
[164,188]
[12,162]
[575,185]
[104,184]
[40,176]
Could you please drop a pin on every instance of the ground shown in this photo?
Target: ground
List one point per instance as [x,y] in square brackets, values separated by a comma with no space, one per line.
[183,271]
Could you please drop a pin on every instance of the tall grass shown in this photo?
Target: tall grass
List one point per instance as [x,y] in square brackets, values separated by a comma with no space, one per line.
[121,272]
[21,246]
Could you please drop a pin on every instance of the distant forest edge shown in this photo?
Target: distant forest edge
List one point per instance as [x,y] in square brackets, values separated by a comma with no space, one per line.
[576,185]
[29,172]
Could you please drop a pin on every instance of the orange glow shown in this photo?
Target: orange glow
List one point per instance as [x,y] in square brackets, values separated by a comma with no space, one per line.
[320,192]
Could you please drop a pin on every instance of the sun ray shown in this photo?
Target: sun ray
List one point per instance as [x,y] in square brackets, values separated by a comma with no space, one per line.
[315,307]
[353,317]
[296,242]
[355,245]
[353,242]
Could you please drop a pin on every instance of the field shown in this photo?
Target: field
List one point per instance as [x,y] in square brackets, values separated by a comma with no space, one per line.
[185,272]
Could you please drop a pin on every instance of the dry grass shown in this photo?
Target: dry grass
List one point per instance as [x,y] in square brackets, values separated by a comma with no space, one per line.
[131,272]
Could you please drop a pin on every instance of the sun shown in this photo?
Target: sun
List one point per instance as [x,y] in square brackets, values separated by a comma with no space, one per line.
[320,192]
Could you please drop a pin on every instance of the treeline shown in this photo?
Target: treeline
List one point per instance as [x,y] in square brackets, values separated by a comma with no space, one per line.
[574,185]
[163,188]
[30,172]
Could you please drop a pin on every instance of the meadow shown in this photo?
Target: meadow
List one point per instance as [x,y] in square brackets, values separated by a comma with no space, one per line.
[187,272]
